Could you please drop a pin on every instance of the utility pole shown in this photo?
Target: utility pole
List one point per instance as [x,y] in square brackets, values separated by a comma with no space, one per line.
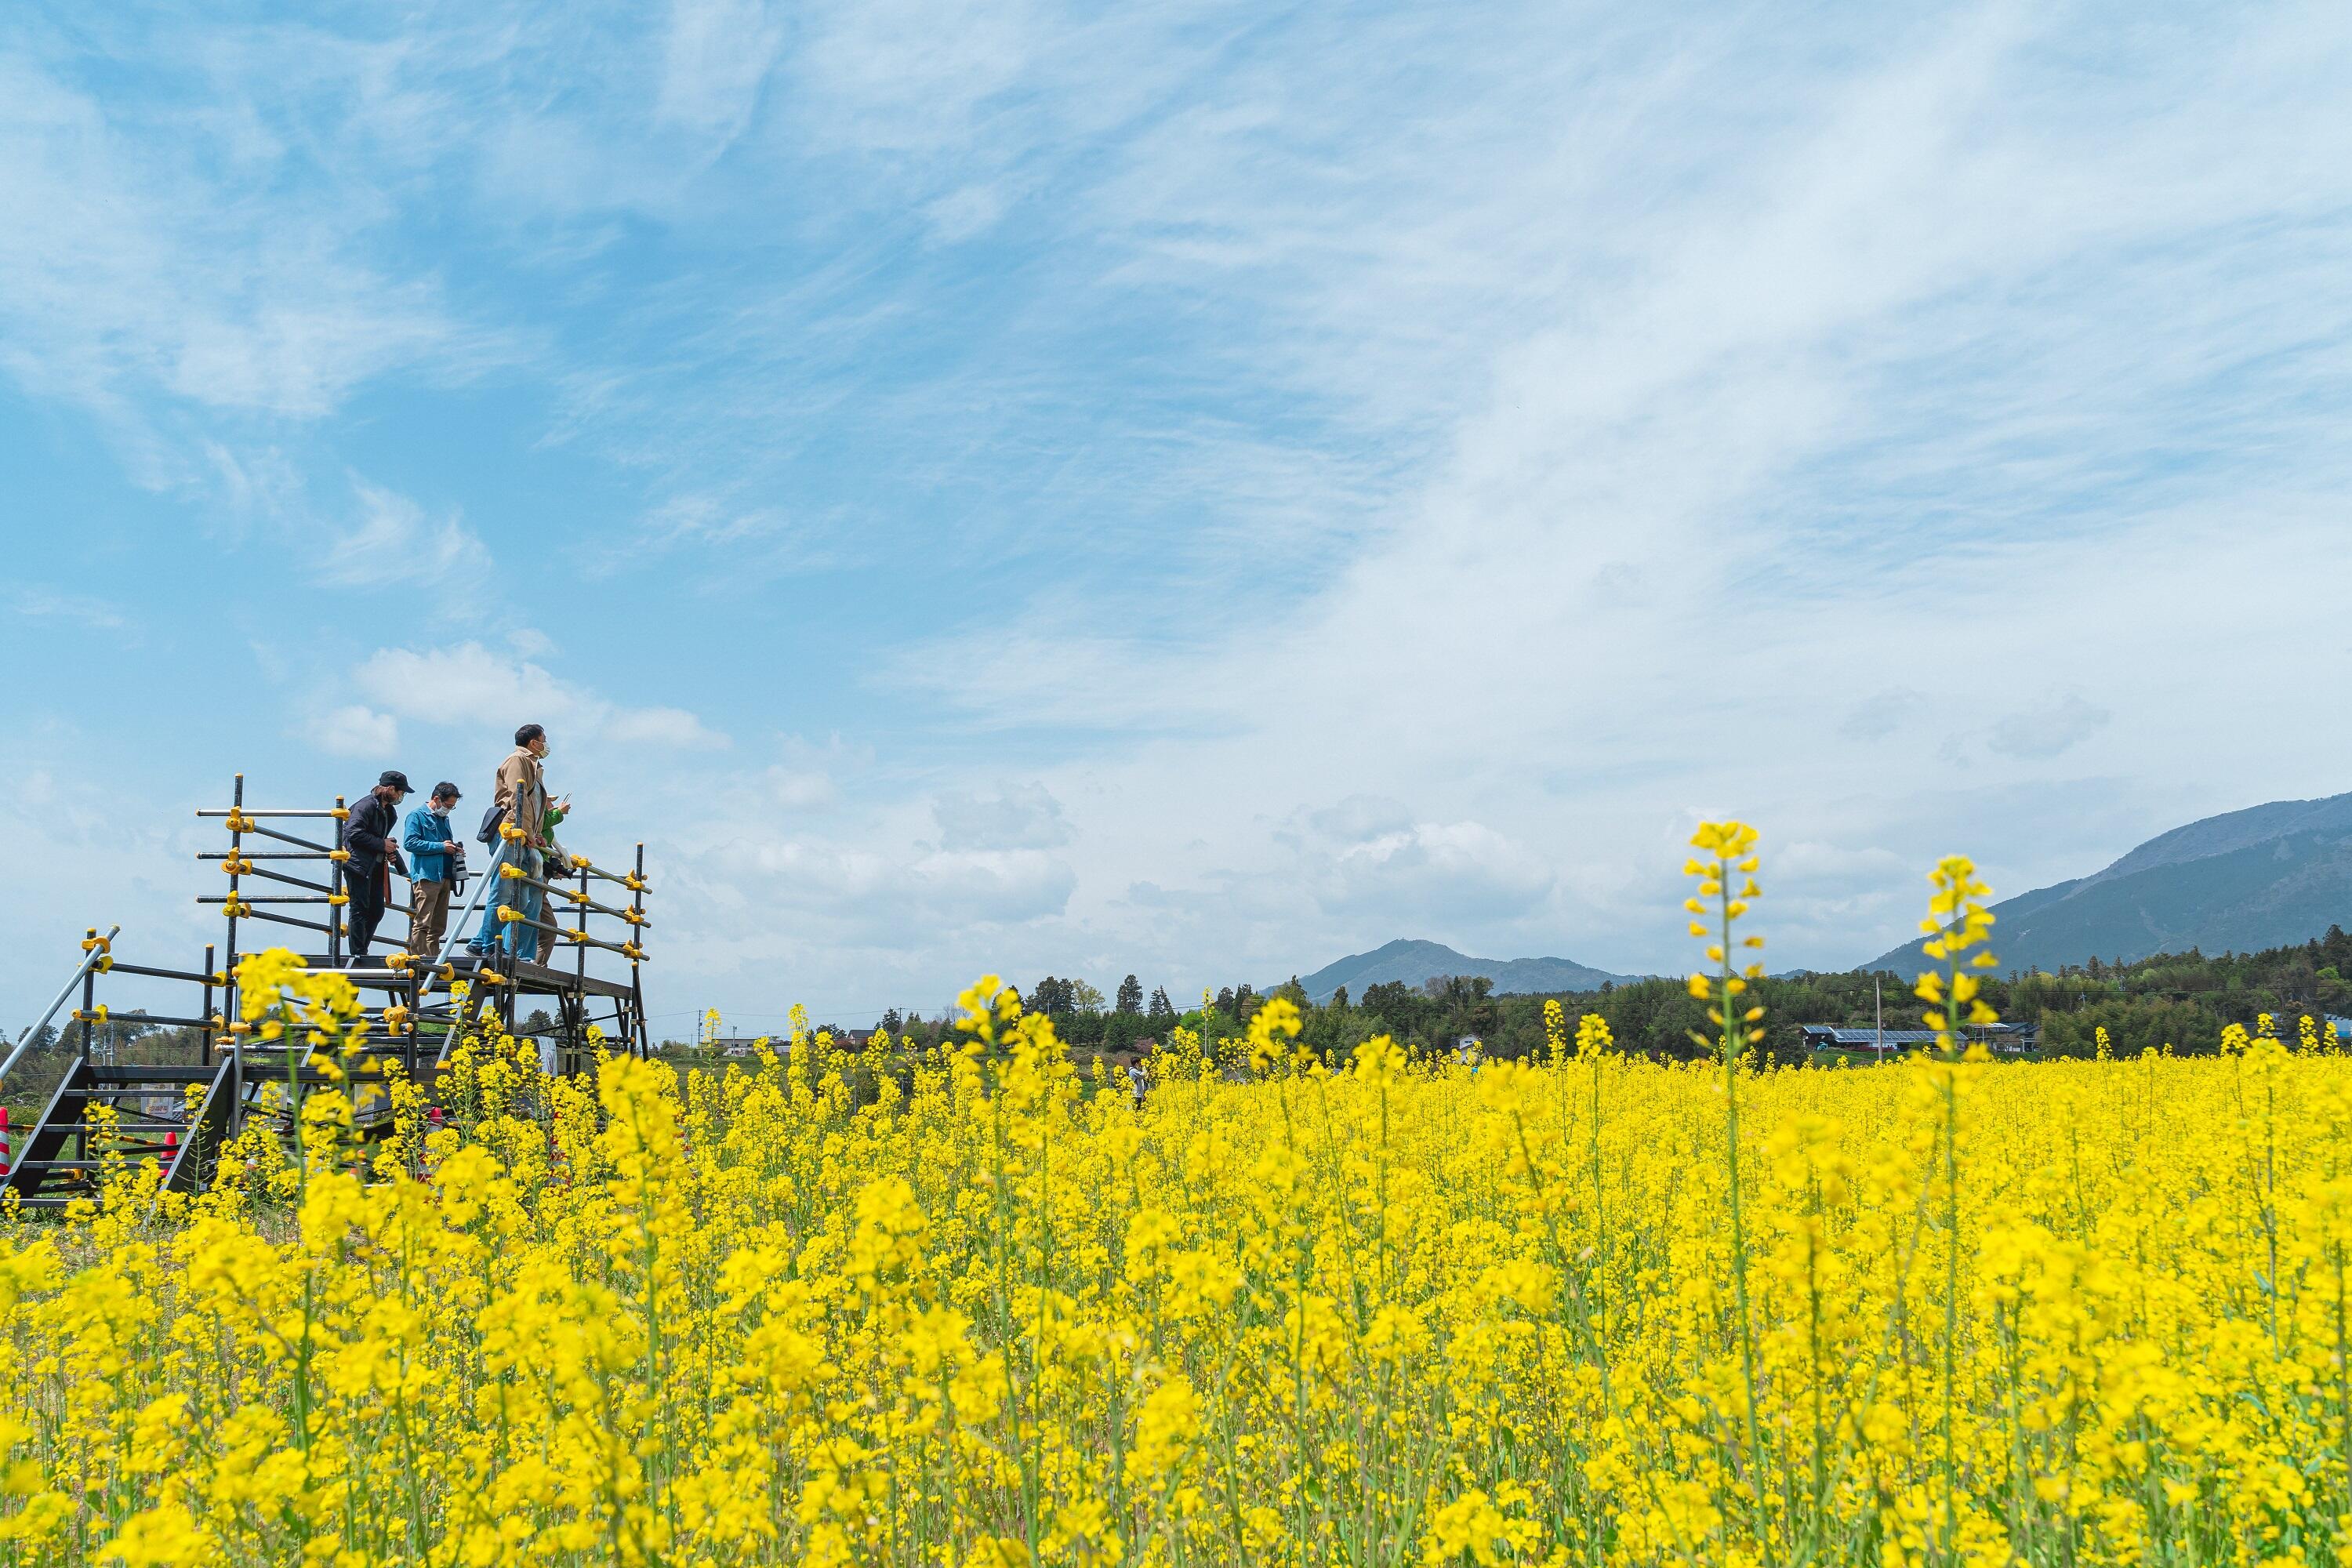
[1878,1000]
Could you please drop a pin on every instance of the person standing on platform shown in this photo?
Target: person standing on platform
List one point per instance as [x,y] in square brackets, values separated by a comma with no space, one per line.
[433,860]
[367,874]
[521,805]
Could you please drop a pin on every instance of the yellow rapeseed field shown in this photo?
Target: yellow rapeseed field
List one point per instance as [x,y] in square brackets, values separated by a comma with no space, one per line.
[1583,1309]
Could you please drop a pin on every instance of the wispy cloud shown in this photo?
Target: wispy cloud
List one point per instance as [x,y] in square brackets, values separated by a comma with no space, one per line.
[440,565]
[357,731]
[40,604]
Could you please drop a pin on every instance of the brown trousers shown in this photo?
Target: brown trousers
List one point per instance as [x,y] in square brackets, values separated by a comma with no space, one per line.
[429,904]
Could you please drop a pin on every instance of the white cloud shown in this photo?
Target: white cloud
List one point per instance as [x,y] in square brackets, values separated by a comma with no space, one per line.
[802,789]
[2041,732]
[1875,718]
[394,544]
[873,894]
[472,685]
[41,604]
[1434,872]
[1019,816]
[673,729]
[130,269]
[358,730]
[715,57]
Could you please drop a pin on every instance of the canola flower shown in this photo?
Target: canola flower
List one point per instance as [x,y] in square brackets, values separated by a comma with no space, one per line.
[1589,1309]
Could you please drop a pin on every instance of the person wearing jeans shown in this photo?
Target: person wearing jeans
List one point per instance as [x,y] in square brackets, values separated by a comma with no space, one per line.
[522,805]
[520,937]
[431,866]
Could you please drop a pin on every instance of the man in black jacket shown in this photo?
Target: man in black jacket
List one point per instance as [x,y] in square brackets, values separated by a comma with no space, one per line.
[372,835]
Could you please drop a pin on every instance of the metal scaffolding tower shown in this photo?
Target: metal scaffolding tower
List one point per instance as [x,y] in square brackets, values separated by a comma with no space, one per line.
[409,1014]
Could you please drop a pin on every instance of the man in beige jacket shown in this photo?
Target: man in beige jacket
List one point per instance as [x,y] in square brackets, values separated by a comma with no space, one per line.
[522,804]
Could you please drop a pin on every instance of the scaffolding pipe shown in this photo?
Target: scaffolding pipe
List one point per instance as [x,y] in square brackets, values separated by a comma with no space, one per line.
[193,978]
[449,939]
[273,855]
[288,838]
[289,881]
[26,1044]
[242,811]
[247,912]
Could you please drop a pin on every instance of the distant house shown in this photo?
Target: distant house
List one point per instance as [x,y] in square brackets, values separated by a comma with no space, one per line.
[2342,1027]
[1838,1037]
[2005,1039]
[743,1045]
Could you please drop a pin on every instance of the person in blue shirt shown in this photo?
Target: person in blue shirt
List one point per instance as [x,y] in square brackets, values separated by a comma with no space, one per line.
[432,861]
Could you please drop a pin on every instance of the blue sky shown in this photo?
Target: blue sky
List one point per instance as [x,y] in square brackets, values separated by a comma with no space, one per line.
[1189,490]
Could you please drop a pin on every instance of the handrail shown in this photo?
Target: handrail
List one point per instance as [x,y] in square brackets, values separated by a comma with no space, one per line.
[449,939]
[97,951]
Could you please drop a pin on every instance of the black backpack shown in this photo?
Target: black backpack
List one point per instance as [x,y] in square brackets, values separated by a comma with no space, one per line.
[491,820]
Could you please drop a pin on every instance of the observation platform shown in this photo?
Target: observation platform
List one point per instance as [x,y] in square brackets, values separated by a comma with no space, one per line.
[279,872]
[523,979]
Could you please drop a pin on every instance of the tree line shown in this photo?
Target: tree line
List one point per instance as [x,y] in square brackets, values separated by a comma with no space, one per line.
[2179,1000]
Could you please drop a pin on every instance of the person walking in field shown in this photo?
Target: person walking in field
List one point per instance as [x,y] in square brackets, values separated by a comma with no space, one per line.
[367,876]
[433,860]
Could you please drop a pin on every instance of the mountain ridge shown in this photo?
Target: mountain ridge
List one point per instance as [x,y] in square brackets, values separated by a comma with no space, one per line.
[2267,876]
[1412,960]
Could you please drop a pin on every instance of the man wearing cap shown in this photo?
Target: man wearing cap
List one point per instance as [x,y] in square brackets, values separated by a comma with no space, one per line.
[434,857]
[367,876]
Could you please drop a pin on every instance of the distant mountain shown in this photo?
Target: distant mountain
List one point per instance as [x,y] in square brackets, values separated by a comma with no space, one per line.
[1414,962]
[2240,882]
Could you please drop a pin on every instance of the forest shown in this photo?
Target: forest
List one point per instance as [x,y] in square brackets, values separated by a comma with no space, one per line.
[2180,1000]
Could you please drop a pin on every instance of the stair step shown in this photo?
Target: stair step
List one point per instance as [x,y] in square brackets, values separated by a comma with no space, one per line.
[108,1077]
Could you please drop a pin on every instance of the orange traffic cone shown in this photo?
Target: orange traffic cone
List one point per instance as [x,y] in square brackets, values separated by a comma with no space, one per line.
[171,1152]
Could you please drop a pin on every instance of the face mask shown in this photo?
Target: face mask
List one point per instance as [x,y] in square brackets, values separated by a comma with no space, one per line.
[440,811]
